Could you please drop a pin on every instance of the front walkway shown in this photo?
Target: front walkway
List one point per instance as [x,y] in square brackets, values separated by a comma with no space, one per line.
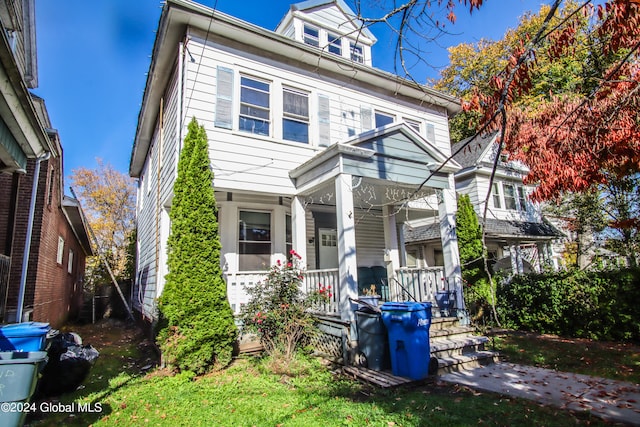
[611,400]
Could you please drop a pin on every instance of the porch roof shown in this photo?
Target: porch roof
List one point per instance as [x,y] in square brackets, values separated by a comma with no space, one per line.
[394,153]
[495,228]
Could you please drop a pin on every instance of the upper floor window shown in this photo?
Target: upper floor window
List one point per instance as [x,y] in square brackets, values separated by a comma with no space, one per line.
[70,262]
[509,196]
[522,199]
[383,119]
[254,106]
[357,53]
[295,115]
[413,124]
[334,44]
[496,196]
[311,36]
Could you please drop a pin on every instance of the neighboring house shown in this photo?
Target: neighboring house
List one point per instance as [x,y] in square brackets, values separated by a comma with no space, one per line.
[312,149]
[43,240]
[518,238]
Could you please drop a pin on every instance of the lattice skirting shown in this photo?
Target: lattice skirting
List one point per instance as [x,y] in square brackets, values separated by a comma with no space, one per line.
[331,339]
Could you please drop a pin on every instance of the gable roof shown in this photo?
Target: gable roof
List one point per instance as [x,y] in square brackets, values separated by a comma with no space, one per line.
[475,150]
[394,152]
[346,10]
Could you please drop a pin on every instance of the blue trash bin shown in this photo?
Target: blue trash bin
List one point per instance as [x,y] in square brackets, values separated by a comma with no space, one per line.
[408,326]
[26,336]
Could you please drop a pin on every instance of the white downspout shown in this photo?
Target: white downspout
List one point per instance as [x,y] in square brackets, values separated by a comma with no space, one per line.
[27,242]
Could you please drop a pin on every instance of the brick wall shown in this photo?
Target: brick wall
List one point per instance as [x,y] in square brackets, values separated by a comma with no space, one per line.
[52,292]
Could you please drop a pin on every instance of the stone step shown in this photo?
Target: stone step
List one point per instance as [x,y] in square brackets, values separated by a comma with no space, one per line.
[466,361]
[445,347]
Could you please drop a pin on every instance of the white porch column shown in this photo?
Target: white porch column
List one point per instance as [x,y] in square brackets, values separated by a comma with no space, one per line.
[347,263]
[542,256]
[513,254]
[447,207]
[392,252]
[299,229]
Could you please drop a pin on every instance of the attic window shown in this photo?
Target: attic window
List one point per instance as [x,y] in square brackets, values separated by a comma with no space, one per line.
[311,36]
[357,53]
[334,44]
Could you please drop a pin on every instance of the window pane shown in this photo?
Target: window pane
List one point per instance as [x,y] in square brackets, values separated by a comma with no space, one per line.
[413,124]
[258,127]
[335,44]
[293,130]
[509,197]
[295,103]
[383,119]
[357,53]
[311,36]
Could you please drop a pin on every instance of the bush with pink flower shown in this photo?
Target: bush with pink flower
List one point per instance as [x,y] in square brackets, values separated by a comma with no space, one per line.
[279,310]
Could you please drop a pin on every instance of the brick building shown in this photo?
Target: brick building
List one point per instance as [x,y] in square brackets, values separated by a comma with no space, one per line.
[43,238]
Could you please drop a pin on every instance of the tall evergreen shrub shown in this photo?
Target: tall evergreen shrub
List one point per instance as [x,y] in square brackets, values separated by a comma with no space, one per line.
[198,330]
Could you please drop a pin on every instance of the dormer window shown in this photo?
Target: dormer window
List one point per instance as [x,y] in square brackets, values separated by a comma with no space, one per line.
[357,53]
[334,44]
[383,119]
[311,36]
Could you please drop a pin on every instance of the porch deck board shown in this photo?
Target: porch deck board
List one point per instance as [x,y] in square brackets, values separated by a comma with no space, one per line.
[378,378]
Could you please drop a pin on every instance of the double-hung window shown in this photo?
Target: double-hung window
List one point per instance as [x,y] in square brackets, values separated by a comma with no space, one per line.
[254,242]
[522,199]
[295,115]
[334,44]
[496,196]
[255,116]
[383,119]
[357,53]
[311,36]
[510,196]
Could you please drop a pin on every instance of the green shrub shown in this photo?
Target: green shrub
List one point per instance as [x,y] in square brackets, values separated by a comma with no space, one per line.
[197,327]
[599,305]
[278,310]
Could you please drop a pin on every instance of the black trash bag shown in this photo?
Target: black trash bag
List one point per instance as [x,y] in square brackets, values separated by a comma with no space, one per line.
[68,366]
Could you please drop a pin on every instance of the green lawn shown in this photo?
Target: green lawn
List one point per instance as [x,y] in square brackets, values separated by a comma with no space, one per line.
[247,394]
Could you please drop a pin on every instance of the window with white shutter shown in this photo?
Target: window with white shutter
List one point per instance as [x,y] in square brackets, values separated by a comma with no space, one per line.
[224,98]
[324,121]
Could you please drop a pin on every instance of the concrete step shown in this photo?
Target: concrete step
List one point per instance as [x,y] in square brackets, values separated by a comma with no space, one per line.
[438,323]
[447,347]
[466,361]
[452,332]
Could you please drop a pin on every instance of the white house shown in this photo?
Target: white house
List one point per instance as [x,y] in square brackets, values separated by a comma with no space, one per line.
[312,148]
[519,239]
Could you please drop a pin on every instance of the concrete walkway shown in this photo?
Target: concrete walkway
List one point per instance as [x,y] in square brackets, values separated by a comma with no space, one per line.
[611,400]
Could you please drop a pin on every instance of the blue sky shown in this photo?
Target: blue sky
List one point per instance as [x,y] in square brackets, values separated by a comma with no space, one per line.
[93,57]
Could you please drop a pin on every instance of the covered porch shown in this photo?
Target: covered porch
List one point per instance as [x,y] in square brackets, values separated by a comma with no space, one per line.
[347,216]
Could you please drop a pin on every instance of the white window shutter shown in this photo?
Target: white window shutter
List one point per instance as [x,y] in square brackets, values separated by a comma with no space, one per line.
[365,118]
[431,133]
[224,98]
[324,121]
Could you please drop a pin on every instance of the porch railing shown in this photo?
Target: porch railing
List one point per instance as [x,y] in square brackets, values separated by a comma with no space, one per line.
[417,284]
[409,284]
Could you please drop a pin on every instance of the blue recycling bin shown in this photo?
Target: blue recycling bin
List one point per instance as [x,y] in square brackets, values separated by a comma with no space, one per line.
[26,336]
[408,326]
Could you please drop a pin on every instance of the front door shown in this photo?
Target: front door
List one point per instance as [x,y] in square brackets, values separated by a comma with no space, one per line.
[328,248]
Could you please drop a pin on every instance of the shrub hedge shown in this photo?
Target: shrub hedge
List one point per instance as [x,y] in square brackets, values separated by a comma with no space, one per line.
[601,305]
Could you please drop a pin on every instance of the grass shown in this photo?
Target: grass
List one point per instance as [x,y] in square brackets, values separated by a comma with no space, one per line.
[248,394]
[617,361]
